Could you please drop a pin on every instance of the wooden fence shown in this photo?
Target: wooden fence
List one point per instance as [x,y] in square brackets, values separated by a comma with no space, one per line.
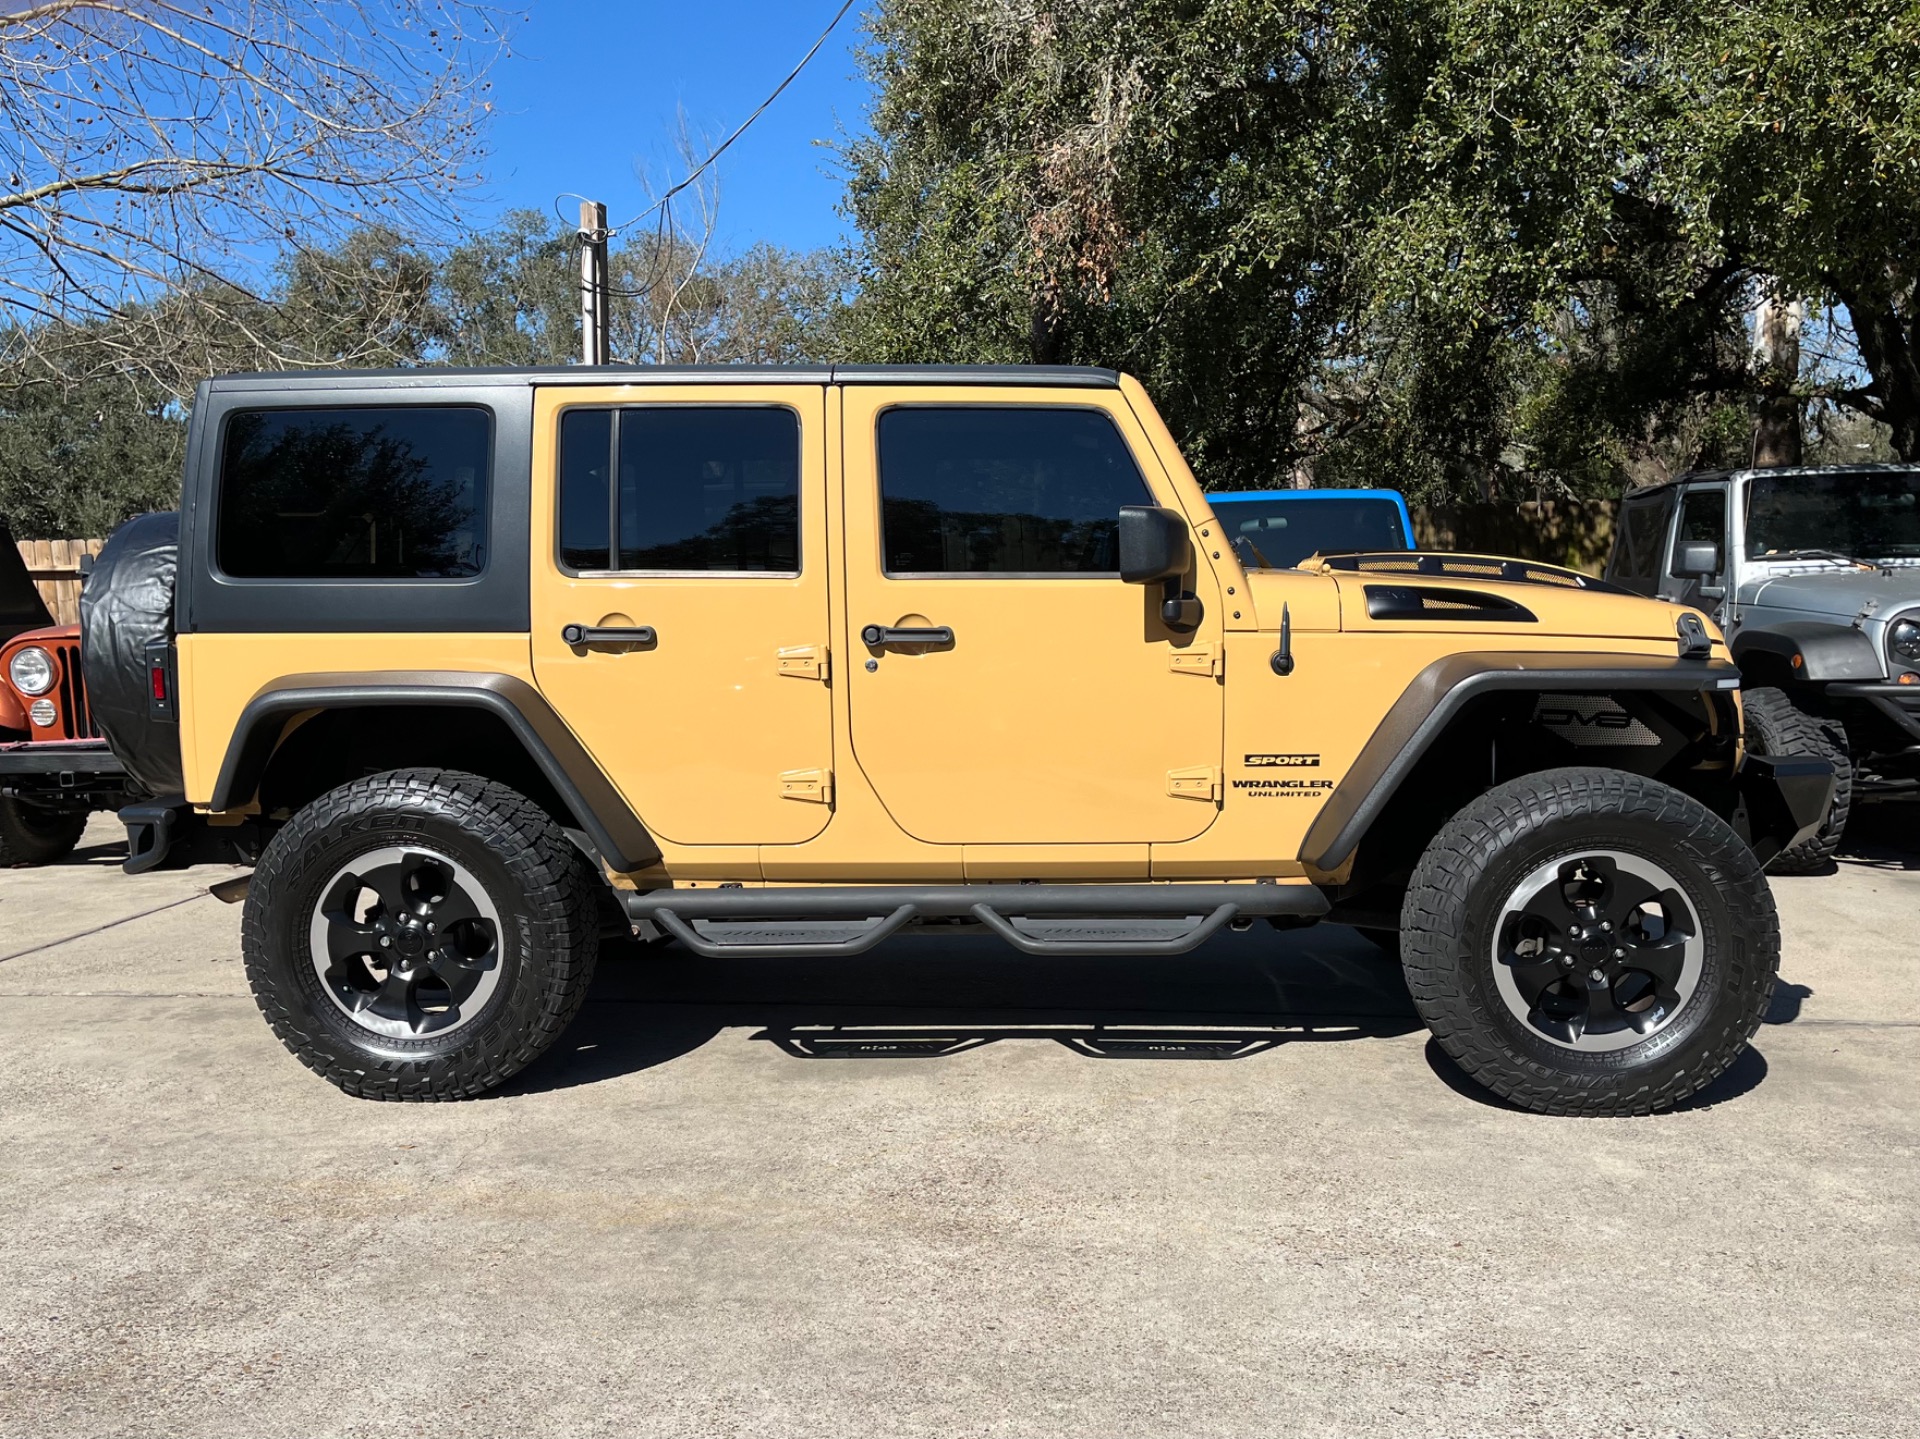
[55,567]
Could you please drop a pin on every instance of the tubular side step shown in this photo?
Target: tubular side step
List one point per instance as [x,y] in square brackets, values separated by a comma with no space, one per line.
[1041,919]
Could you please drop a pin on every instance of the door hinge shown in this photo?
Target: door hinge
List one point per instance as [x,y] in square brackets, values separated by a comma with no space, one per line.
[804,662]
[1201,782]
[813,785]
[1200,660]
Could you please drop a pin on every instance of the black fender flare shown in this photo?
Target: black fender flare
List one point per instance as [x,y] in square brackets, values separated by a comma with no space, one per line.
[1824,651]
[598,808]
[1442,689]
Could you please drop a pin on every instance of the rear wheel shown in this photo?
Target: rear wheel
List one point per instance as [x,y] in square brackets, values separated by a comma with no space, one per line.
[420,935]
[33,834]
[1585,941]
[1777,726]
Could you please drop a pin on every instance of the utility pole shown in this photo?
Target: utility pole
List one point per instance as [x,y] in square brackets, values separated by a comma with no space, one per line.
[594,347]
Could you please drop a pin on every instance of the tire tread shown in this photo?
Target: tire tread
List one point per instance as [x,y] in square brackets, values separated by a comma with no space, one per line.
[554,888]
[1447,874]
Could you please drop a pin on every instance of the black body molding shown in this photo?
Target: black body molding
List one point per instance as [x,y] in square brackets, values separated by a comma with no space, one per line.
[597,807]
[1439,692]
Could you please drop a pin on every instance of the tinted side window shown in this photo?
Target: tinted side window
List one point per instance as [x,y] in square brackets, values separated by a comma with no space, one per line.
[706,487]
[1703,516]
[982,489]
[586,511]
[394,492]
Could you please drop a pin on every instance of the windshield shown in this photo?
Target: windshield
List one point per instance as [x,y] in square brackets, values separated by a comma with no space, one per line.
[1286,531]
[1868,516]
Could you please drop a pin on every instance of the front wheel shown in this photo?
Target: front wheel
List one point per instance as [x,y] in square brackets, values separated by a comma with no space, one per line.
[32,834]
[1778,726]
[421,934]
[1586,941]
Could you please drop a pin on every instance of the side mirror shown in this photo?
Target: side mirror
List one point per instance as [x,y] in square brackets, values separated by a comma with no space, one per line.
[1698,560]
[1154,544]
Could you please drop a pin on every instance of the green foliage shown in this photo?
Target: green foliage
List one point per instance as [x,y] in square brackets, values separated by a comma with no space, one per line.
[1464,246]
[78,458]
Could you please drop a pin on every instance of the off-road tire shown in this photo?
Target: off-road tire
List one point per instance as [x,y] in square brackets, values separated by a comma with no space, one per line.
[1472,868]
[536,879]
[1777,726]
[31,834]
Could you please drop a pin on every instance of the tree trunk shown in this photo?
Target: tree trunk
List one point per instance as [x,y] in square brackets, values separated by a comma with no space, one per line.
[1887,349]
[1777,434]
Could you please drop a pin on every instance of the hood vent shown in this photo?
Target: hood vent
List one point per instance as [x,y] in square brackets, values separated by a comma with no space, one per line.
[1389,564]
[1418,602]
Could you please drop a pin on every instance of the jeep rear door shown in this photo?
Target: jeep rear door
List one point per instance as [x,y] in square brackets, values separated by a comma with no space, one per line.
[680,600]
[1005,686]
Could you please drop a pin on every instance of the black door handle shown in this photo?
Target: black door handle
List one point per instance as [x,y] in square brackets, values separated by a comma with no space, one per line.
[881,635]
[608,634]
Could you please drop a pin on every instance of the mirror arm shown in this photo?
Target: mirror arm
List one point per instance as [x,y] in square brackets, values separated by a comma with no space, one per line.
[1180,609]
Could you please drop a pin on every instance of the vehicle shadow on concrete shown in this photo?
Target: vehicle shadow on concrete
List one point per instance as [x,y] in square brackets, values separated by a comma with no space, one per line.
[932,994]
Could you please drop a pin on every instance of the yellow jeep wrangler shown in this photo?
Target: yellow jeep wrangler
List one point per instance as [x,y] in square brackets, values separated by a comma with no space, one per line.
[785,661]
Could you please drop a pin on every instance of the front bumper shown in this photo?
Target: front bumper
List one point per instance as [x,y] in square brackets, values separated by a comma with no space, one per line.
[1899,703]
[1783,800]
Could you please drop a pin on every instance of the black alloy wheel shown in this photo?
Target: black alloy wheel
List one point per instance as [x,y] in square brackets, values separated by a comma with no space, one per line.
[1588,941]
[421,934]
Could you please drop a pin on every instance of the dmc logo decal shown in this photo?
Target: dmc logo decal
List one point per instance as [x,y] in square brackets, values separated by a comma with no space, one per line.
[1283,761]
[1599,719]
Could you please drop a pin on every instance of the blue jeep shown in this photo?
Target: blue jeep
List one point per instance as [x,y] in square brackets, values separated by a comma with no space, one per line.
[1276,529]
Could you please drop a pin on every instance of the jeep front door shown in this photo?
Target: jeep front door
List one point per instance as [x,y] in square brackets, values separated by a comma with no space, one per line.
[680,601]
[1702,520]
[1006,687]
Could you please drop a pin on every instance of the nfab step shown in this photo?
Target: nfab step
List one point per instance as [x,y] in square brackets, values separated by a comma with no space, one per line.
[1044,919]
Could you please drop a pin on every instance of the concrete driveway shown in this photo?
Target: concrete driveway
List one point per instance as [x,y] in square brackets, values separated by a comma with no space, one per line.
[944,1190]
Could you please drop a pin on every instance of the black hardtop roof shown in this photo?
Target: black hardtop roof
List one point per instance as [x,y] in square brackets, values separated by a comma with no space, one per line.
[429,376]
[1704,477]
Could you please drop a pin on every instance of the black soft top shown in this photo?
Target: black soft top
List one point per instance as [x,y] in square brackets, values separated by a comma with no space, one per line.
[21,608]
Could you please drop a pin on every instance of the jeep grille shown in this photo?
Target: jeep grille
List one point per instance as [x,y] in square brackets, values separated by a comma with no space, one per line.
[76,718]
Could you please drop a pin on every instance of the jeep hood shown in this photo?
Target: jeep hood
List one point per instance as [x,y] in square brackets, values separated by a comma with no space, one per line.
[1553,607]
[1837,594]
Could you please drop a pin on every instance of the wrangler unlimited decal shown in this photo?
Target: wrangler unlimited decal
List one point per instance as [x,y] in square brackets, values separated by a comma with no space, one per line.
[1282,788]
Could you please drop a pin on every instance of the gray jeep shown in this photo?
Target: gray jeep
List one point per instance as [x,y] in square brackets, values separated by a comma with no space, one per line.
[1815,576]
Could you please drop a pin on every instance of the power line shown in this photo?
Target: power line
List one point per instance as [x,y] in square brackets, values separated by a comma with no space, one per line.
[759,110]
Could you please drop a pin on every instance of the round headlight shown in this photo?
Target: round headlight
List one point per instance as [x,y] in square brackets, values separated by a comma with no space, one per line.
[1905,640]
[43,713]
[32,671]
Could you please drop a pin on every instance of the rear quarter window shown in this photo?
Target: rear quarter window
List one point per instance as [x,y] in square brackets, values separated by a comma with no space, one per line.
[376,493]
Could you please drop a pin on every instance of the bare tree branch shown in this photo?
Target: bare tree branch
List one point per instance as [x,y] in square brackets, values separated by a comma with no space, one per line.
[158,153]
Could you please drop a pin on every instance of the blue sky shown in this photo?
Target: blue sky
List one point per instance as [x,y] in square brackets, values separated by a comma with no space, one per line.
[591,91]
